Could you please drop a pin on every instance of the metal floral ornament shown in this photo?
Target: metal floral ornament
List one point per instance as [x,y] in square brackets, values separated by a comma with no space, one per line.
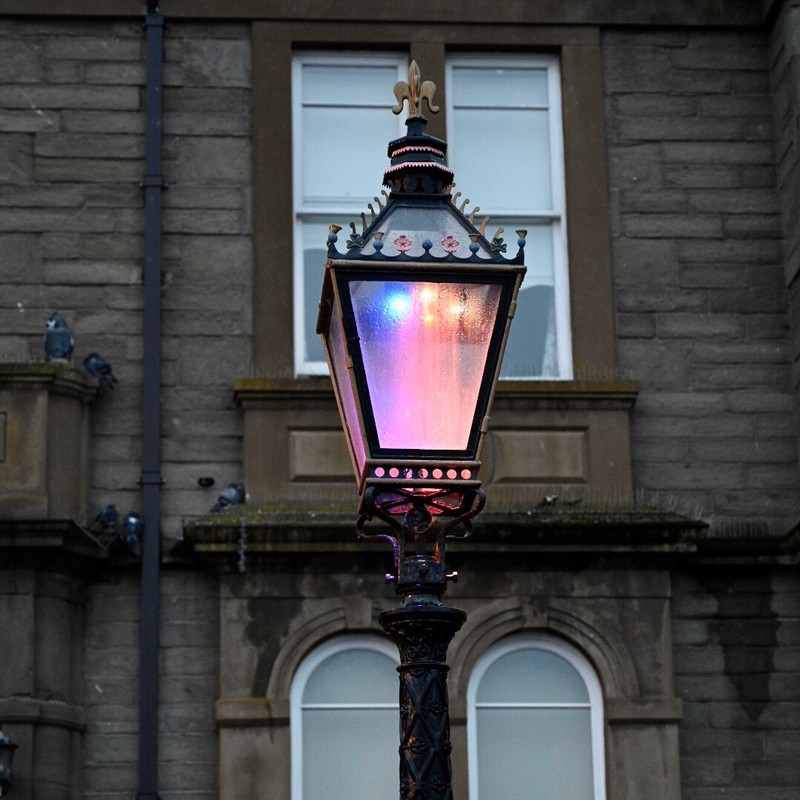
[415,91]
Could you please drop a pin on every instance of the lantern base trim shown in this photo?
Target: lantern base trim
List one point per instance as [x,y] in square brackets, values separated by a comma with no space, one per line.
[421,521]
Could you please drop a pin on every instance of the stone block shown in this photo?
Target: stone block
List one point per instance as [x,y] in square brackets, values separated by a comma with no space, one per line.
[16,159]
[700,82]
[126,74]
[690,326]
[677,226]
[88,145]
[217,62]
[59,96]
[636,326]
[45,437]
[712,153]
[20,255]
[93,48]
[680,129]
[738,352]
[660,300]
[636,69]
[698,660]
[21,62]
[88,170]
[28,121]
[100,121]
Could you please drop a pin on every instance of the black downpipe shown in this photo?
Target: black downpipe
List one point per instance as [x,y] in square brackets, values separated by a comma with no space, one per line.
[151,479]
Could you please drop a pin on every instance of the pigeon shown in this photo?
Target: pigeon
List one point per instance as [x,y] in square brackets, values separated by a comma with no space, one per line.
[106,520]
[58,341]
[232,495]
[99,368]
[132,530]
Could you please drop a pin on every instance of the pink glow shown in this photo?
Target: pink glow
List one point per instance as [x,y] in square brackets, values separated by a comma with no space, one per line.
[424,348]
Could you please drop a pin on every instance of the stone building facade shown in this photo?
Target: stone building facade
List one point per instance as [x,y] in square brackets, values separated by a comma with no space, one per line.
[669,561]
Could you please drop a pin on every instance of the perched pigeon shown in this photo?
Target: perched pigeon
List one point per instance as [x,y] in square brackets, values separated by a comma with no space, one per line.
[132,530]
[232,495]
[106,520]
[58,341]
[99,368]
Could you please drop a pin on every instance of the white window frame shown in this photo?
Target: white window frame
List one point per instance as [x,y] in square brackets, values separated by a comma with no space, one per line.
[548,644]
[304,671]
[556,215]
[335,213]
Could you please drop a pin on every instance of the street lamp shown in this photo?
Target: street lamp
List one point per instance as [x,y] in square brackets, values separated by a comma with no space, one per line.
[7,748]
[414,317]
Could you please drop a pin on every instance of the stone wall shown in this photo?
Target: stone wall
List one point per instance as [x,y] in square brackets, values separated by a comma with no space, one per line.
[737,638]
[188,687]
[71,234]
[701,305]
[785,64]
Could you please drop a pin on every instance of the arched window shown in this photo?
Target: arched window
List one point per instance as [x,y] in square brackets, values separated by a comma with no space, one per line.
[535,723]
[344,713]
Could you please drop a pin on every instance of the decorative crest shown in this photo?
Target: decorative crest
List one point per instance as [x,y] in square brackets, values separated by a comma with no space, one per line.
[414,91]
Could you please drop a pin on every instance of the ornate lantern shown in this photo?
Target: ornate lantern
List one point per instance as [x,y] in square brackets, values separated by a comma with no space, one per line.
[414,317]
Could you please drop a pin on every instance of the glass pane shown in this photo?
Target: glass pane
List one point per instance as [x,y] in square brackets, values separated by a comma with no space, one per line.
[532,676]
[314,257]
[354,676]
[424,340]
[350,754]
[534,754]
[517,175]
[345,387]
[337,167]
[531,349]
[348,85]
[489,87]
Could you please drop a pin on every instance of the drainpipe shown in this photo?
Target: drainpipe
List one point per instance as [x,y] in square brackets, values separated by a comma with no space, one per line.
[151,479]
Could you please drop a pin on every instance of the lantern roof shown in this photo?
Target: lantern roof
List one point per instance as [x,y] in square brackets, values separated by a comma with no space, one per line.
[420,218]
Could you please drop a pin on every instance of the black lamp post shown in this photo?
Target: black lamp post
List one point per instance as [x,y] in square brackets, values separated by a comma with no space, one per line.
[414,318]
[7,748]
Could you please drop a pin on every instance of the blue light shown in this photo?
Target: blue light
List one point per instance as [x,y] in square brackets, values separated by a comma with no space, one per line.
[397,304]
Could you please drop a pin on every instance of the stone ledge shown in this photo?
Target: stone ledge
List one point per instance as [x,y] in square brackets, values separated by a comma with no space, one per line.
[240,712]
[56,377]
[544,394]
[261,532]
[30,711]
[702,12]
[624,711]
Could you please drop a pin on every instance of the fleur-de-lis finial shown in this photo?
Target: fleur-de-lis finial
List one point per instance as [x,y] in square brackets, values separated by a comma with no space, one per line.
[414,91]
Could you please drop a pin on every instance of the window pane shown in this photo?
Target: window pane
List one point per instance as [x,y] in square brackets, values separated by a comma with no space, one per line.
[531,676]
[541,754]
[501,158]
[350,754]
[353,676]
[337,167]
[314,233]
[532,347]
[483,86]
[348,85]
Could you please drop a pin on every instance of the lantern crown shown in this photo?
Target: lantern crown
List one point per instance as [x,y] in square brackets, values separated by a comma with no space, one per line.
[422,218]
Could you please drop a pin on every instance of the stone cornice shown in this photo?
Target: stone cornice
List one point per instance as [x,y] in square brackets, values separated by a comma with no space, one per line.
[724,13]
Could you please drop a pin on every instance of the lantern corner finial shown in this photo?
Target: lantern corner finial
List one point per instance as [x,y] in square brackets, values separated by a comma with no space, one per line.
[414,90]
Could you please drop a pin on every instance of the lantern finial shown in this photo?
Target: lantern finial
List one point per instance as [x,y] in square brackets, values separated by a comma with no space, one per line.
[414,91]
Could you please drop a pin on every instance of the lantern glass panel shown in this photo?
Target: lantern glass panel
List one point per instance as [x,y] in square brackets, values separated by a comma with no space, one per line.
[424,347]
[341,375]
